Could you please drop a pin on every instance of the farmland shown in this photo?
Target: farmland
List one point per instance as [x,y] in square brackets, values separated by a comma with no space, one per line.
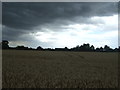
[59,69]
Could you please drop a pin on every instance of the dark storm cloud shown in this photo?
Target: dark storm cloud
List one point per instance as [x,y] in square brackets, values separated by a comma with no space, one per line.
[29,15]
[22,18]
[11,33]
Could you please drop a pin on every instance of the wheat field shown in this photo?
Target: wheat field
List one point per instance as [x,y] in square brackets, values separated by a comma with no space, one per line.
[59,69]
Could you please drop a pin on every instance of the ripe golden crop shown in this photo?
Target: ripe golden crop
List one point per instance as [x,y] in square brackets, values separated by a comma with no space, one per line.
[52,69]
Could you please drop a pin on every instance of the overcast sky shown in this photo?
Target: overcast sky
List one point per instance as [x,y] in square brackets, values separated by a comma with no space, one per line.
[60,24]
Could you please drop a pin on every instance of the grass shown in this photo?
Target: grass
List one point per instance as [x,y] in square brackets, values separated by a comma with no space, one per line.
[52,69]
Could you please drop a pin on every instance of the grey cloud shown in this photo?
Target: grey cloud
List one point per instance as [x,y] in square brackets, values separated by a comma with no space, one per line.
[22,18]
[11,33]
[29,15]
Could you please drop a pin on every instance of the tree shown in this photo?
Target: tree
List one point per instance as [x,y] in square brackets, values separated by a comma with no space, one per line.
[21,48]
[116,49]
[39,48]
[5,44]
[92,48]
[86,47]
[97,49]
[119,49]
[66,48]
[101,49]
[107,48]
[76,48]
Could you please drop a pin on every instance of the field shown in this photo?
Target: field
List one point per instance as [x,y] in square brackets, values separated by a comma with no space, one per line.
[53,69]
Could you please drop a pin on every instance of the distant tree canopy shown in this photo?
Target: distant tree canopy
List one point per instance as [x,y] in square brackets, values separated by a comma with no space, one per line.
[5,44]
[39,48]
[107,48]
[84,47]
[87,47]
[21,48]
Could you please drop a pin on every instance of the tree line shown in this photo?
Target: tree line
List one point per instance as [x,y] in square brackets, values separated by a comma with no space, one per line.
[85,47]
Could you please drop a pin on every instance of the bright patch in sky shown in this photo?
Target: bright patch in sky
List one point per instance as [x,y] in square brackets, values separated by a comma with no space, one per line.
[44,37]
[105,32]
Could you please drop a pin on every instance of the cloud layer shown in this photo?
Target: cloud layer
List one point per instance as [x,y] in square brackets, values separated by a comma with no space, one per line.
[20,20]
